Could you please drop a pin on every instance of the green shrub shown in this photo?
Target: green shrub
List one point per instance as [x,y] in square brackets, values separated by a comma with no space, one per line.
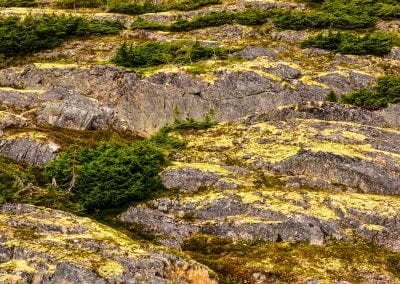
[297,20]
[340,14]
[19,37]
[69,4]
[387,91]
[20,184]
[137,8]
[331,97]
[109,176]
[350,43]
[157,53]
[18,3]
[214,19]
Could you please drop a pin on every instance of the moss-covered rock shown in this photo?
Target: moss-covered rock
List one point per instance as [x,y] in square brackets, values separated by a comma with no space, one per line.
[49,246]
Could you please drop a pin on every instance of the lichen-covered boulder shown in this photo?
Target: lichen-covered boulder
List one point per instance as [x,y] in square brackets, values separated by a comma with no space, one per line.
[40,245]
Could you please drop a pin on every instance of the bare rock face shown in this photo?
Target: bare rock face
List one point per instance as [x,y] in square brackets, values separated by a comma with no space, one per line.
[394,54]
[8,119]
[334,112]
[48,246]
[343,83]
[354,172]
[76,112]
[101,97]
[28,149]
[252,52]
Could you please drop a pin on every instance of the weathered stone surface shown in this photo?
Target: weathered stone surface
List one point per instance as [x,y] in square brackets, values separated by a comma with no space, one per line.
[308,172]
[252,52]
[84,252]
[76,112]
[28,149]
[127,102]
[353,172]
[343,83]
[332,112]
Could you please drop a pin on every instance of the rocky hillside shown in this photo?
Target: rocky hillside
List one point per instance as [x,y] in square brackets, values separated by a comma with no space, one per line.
[207,141]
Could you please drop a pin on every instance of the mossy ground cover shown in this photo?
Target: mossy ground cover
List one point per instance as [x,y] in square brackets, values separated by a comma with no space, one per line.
[236,262]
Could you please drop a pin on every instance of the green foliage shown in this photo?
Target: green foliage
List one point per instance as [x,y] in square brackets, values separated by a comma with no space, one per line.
[157,53]
[298,20]
[340,14]
[18,3]
[22,36]
[109,176]
[214,19]
[19,184]
[376,43]
[69,4]
[148,6]
[387,91]
[192,124]
[331,97]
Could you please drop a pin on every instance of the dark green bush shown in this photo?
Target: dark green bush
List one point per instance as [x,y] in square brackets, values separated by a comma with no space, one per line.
[109,176]
[340,14]
[331,97]
[351,43]
[157,53]
[298,20]
[137,8]
[19,37]
[215,19]
[387,91]
[69,4]
[18,3]
[19,184]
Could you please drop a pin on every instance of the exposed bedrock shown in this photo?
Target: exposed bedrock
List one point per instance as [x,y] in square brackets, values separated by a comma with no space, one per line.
[106,96]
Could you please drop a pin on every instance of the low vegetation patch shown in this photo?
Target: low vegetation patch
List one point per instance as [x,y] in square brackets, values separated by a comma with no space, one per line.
[158,53]
[93,177]
[214,19]
[236,262]
[339,14]
[72,4]
[148,6]
[18,3]
[22,36]
[386,91]
[23,184]
[377,43]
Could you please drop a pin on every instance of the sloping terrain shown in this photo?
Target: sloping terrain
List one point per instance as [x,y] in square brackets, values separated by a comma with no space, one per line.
[208,141]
